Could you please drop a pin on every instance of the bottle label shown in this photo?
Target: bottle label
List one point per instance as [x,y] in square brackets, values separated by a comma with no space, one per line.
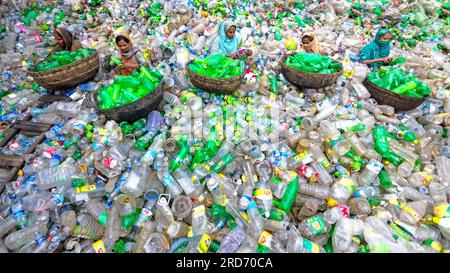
[204,243]
[304,158]
[99,247]
[272,98]
[245,178]
[263,194]
[146,213]
[433,244]
[442,211]
[348,184]
[316,224]
[265,239]
[87,188]
[427,178]
[344,209]
[189,234]
[411,211]
[374,166]
[310,246]
[278,171]
[198,211]
[103,218]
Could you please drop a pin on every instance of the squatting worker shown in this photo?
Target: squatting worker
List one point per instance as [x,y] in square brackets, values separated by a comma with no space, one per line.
[310,43]
[131,59]
[376,53]
[228,42]
[65,41]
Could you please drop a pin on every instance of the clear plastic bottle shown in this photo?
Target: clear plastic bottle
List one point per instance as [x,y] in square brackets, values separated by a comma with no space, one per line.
[56,176]
[297,244]
[97,209]
[199,220]
[136,180]
[147,229]
[267,239]
[163,212]
[177,229]
[412,212]
[233,240]
[331,216]
[113,225]
[438,193]
[7,224]
[21,237]
[359,206]
[152,152]
[184,178]
[88,227]
[198,244]
[369,173]
[341,190]
[316,190]
[344,231]
[313,226]
[68,218]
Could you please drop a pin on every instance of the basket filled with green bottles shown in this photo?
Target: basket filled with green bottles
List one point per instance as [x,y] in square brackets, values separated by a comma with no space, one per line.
[66,69]
[130,97]
[310,70]
[216,73]
[393,86]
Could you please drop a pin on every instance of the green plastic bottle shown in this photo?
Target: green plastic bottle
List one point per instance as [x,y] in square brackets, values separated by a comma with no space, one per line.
[177,161]
[227,159]
[381,142]
[385,180]
[285,204]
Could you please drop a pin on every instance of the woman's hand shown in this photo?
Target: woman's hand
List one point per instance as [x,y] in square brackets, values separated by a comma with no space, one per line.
[107,57]
[387,60]
[131,66]
[233,56]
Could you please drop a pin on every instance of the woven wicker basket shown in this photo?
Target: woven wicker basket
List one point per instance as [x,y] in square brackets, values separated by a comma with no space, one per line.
[307,79]
[69,75]
[219,86]
[383,96]
[129,112]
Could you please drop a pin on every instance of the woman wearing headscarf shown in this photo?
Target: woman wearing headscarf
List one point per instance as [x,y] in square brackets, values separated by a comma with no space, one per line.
[131,59]
[65,41]
[310,43]
[376,53]
[227,42]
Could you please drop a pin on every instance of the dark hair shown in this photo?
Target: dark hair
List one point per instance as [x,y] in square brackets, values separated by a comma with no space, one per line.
[307,37]
[122,38]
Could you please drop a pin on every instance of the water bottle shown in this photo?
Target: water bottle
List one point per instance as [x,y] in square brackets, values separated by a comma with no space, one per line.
[199,220]
[343,233]
[21,237]
[88,227]
[68,218]
[181,206]
[183,177]
[56,176]
[113,225]
[371,170]
[147,229]
[233,240]
[136,180]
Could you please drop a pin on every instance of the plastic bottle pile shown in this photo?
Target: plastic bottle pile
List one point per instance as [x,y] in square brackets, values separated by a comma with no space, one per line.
[268,169]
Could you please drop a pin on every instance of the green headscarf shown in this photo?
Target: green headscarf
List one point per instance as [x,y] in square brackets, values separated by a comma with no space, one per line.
[376,49]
